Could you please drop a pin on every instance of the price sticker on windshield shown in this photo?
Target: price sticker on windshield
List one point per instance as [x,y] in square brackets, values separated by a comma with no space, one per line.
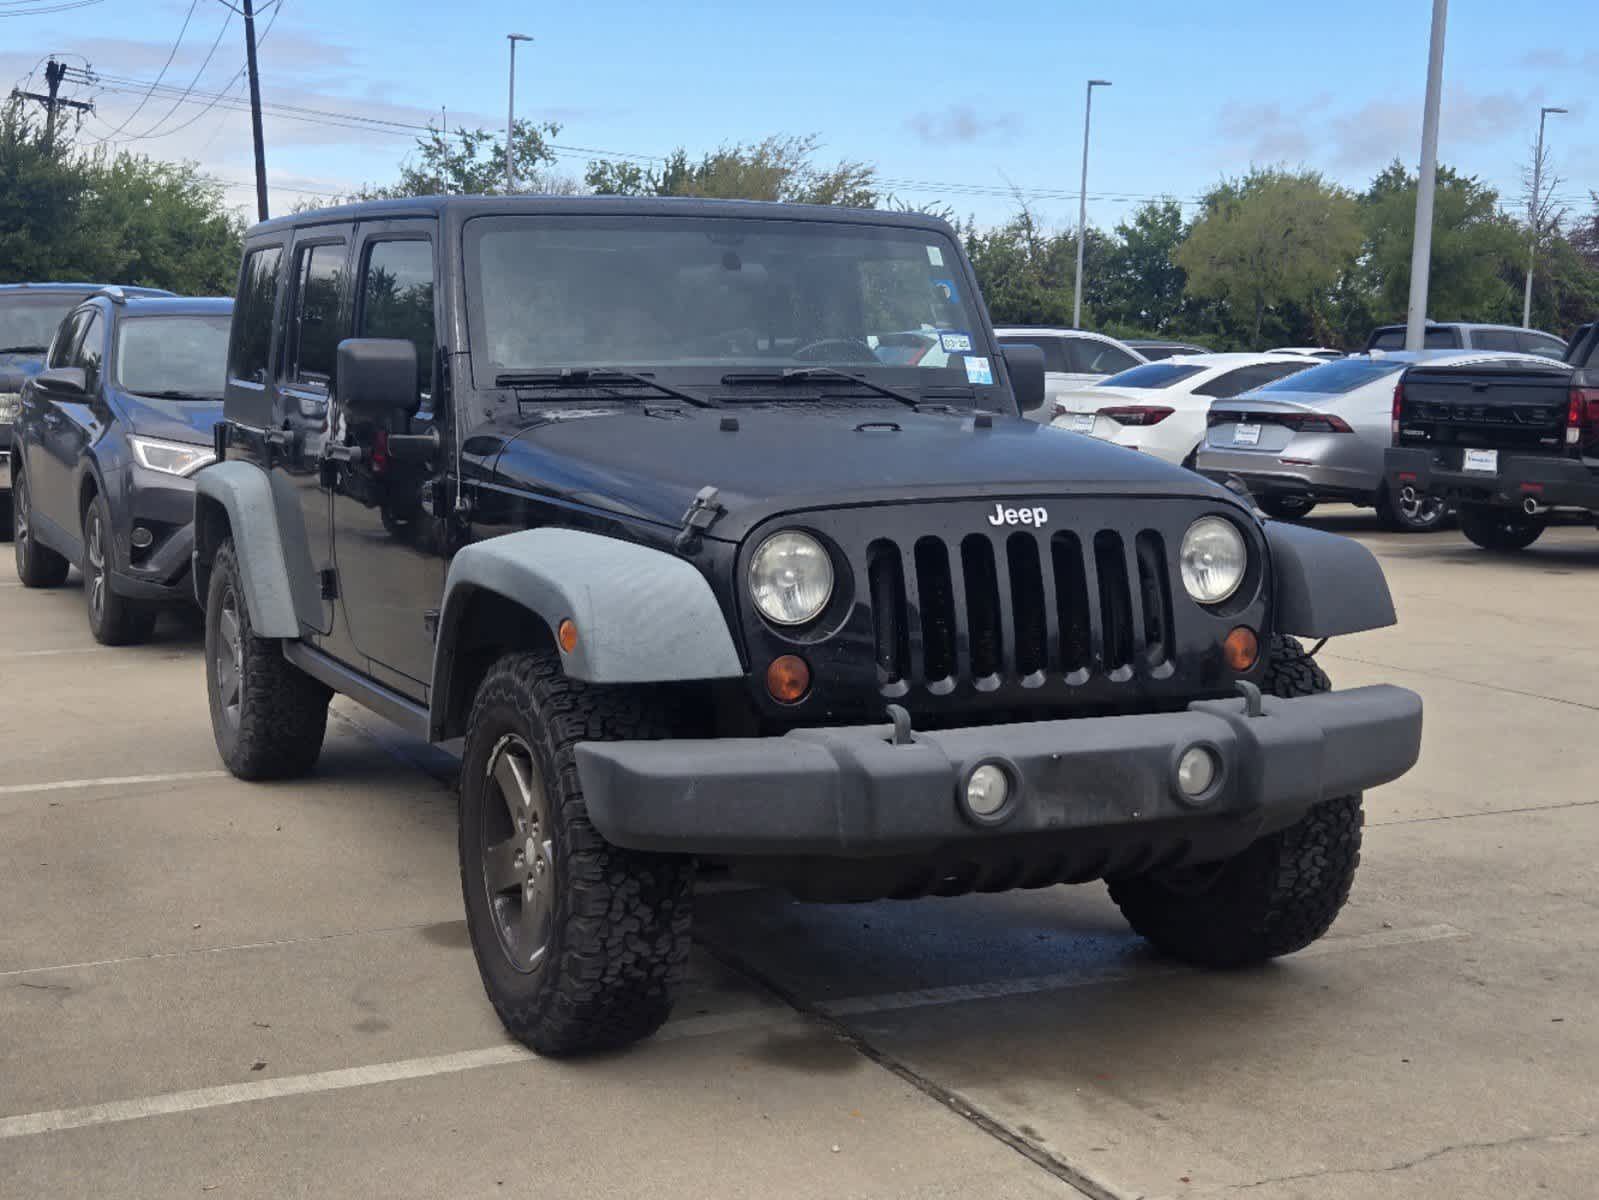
[1484,461]
[1246,435]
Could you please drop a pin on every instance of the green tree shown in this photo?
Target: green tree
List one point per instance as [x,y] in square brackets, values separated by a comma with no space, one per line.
[472,162]
[1142,287]
[1271,238]
[782,167]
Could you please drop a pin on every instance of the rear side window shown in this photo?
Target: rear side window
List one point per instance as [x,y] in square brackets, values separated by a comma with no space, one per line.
[1153,375]
[314,328]
[1054,349]
[1541,344]
[250,345]
[1495,339]
[1099,358]
[1247,378]
[397,300]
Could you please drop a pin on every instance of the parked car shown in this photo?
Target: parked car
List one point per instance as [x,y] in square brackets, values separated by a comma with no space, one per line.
[1321,435]
[1466,335]
[108,439]
[29,315]
[697,589]
[1160,408]
[1073,358]
[1509,442]
[1325,353]
[1154,350]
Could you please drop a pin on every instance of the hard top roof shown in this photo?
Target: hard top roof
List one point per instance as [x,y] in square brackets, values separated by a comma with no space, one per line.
[79,287]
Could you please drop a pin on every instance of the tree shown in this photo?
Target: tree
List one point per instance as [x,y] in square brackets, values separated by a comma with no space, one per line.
[780,168]
[1271,238]
[472,162]
[1142,285]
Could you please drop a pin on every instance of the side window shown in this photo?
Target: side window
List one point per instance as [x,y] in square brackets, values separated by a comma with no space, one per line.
[1090,357]
[1235,382]
[396,301]
[250,342]
[91,351]
[1447,338]
[1054,349]
[66,338]
[1495,339]
[1542,344]
[314,328]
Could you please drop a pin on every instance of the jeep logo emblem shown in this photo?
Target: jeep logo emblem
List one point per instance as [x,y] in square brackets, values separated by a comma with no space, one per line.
[1017,516]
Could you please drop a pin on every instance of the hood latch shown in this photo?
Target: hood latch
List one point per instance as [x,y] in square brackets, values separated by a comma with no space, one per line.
[701,515]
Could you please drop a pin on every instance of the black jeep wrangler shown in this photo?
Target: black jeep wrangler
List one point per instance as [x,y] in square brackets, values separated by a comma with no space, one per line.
[641,499]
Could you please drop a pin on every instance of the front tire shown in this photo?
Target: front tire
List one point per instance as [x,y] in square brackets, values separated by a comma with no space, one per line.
[268,716]
[114,620]
[38,566]
[1285,506]
[580,944]
[1277,896]
[1499,529]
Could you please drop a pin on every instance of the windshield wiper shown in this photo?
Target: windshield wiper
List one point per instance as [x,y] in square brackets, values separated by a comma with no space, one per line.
[23,349]
[175,394]
[601,377]
[805,374]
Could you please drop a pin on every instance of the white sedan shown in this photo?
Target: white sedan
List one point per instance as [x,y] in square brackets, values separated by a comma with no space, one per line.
[1161,407]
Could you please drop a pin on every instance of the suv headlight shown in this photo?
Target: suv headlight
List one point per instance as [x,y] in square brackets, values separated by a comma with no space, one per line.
[10,402]
[791,577]
[170,458]
[1213,560]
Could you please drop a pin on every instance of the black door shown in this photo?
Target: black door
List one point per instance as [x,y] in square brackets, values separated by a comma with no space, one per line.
[388,516]
[67,423]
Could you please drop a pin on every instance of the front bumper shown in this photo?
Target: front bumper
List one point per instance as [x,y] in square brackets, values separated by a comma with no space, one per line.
[852,793]
[1546,479]
[164,505]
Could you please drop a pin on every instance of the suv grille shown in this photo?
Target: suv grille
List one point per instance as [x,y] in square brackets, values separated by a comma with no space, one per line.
[1024,607]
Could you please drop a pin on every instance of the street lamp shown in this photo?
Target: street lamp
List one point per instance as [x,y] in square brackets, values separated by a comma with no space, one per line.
[510,112]
[1532,215]
[1426,182]
[1082,205]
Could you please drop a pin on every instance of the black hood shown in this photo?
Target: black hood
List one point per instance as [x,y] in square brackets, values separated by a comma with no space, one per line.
[649,464]
[174,420]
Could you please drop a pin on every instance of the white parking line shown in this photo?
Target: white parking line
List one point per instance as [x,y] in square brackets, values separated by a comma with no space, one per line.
[51,653]
[67,785]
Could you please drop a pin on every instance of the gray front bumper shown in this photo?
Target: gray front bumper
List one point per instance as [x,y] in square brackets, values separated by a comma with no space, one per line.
[851,793]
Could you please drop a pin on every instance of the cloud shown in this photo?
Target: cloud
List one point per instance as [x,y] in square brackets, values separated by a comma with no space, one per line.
[1548,58]
[963,123]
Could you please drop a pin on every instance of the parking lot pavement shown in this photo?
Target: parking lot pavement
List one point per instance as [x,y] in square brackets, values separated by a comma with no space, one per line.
[213,988]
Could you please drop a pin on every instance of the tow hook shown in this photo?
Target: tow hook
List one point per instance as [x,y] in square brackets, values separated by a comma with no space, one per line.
[701,515]
[902,726]
[1251,695]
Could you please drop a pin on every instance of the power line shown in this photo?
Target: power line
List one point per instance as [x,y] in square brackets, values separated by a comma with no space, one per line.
[204,63]
[193,4]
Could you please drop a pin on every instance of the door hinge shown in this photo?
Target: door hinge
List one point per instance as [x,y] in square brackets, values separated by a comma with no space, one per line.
[430,622]
[701,515]
[330,583]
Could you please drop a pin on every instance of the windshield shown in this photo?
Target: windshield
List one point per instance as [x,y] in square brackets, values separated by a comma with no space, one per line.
[1335,378]
[27,323]
[172,354]
[1152,375]
[648,293]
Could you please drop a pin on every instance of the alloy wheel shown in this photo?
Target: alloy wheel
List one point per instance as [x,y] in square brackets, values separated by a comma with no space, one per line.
[94,554]
[518,852]
[19,518]
[1420,512]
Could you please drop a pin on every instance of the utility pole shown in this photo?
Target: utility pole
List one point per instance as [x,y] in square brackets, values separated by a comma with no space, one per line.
[510,114]
[1082,206]
[1533,214]
[255,109]
[1426,183]
[54,73]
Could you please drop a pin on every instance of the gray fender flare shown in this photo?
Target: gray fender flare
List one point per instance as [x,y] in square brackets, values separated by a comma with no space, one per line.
[642,615]
[1325,585]
[245,493]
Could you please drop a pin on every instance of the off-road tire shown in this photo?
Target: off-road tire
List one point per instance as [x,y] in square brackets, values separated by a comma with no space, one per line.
[1500,530]
[114,620]
[1429,515]
[1280,894]
[38,566]
[618,920]
[1285,508]
[282,713]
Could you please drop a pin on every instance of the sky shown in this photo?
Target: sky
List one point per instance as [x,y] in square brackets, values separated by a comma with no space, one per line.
[957,104]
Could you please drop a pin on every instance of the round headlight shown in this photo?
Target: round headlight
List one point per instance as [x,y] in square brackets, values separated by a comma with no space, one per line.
[1214,559]
[791,577]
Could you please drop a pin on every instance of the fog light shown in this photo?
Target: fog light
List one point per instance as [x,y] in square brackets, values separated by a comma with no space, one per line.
[987,789]
[1196,771]
[141,537]
[1242,648]
[788,678]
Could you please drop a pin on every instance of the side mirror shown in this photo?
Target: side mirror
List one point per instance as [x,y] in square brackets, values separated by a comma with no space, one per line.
[64,381]
[376,377]
[1025,366]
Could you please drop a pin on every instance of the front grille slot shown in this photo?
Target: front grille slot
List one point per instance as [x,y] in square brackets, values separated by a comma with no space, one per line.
[982,605]
[1028,606]
[936,603]
[1071,603]
[1154,589]
[1115,600]
[886,577]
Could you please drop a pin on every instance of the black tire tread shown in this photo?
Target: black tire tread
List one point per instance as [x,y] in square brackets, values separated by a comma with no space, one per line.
[283,715]
[1498,533]
[38,566]
[123,622]
[620,936]
[1281,893]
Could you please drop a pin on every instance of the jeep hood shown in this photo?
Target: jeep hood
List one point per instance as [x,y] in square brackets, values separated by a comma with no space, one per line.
[650,464]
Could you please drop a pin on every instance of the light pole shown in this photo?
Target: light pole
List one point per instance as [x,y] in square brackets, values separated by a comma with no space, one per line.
[1082,205]
[1426,183]
[510,113]
[1532,215]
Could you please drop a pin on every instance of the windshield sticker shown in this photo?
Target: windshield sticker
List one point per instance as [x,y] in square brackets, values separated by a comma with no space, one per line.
[935,256]
[955,343]
[947,289]
[978,370]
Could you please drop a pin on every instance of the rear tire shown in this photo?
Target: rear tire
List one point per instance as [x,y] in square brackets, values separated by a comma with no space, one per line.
[1500,530]
[1424,514]
[37,566]
[114,620]
[1286,507]
[268,716]
[580,944]
[1280,894]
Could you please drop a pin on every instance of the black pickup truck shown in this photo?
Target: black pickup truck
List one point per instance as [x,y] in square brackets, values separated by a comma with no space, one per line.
[1506,442]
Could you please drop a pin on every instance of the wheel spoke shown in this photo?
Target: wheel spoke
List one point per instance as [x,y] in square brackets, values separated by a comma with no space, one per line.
[532,926]
[516,788]
[503,867]
[227,681]
[228,627]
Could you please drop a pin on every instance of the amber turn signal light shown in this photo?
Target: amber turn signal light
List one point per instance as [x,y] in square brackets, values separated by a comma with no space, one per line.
[788,678]
[566,634]
[1242,647]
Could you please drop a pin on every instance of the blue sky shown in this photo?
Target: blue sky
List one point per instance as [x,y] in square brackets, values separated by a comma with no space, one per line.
[956,101]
